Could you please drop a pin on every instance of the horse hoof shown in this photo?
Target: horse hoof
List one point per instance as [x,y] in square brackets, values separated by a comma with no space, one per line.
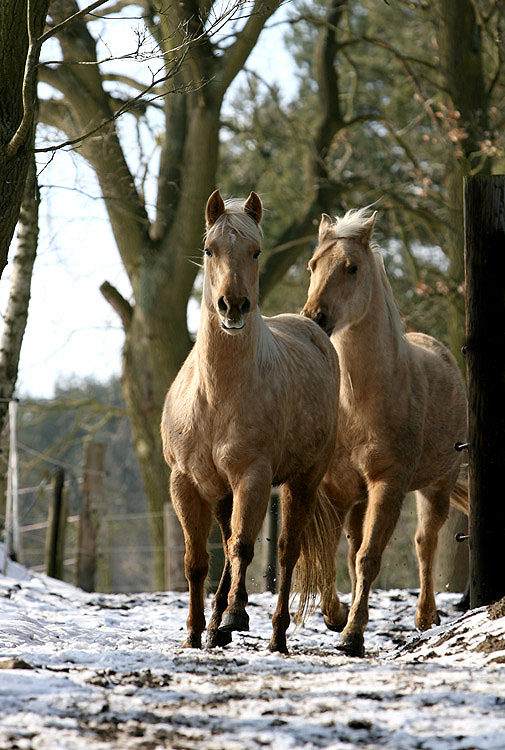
[340,626]
[193,641]
[352,644]
[234,620]
[218,638]
[278,645]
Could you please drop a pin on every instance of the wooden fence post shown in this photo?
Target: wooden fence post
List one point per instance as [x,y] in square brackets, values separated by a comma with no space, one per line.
[88,517]
[272,534]
[485,358]
[55,537]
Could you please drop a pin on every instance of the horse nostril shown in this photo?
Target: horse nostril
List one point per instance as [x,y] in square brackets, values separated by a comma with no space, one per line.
[245,307]
[321,319]
[222,304]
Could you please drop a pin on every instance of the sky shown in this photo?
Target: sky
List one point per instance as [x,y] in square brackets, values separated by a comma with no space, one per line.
[85,671]
[72,331]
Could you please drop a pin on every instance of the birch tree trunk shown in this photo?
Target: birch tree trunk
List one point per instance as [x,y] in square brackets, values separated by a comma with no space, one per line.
[19,297]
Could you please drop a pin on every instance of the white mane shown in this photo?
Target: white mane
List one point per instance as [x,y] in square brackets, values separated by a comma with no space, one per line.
[351,224]
[235,219]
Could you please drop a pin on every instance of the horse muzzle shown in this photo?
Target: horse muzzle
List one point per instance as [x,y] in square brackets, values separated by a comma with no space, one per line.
[321,318]
[232,313]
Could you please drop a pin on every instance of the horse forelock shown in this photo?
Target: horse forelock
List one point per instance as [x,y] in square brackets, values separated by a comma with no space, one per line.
[234,219]
[351,224]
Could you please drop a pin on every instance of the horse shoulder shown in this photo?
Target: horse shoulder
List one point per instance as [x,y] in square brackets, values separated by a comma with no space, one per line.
[182,412]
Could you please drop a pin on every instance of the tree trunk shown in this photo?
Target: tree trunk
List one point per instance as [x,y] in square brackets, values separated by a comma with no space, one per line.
[14,161]
[19,297]
[465,125]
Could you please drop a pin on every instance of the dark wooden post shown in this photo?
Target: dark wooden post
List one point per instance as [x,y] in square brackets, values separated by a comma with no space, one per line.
[272,534]
[485,357]
[88,517]
[55,538]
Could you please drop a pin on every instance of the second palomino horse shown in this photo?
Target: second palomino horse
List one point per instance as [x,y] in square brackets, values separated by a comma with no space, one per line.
[254,404]
[402,408]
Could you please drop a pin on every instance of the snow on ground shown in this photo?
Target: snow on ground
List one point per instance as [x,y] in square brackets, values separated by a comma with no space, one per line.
[91,671]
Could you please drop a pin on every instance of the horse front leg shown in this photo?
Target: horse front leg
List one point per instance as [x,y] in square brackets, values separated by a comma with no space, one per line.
[216,637]
[251,494]
[381,516]
[432,510]
[195,517]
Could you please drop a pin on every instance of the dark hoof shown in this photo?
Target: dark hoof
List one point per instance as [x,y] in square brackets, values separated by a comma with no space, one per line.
[352,644]
[341,625]
[437,619]
[235,620]
[278,645]
[193,641]
[216,638]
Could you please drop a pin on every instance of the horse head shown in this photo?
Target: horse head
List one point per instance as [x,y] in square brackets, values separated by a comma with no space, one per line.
[232,248]
[341,271]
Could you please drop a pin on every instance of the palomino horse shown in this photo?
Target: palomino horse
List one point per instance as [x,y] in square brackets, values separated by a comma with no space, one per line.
[402,408]
[253,405]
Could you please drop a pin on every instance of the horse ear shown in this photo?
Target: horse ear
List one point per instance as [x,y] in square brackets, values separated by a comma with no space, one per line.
[324,225]
[368,227]
[215,207]
[253,207]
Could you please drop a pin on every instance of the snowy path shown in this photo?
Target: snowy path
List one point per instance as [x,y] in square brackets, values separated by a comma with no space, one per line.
[108,672]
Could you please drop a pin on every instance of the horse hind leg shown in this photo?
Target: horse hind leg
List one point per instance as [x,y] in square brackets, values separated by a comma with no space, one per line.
[432,510]
[297,502]
[354,531]
[216,637]
[334,611]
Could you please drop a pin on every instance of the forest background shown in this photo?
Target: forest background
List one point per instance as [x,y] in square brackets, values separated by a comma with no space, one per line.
[373,102]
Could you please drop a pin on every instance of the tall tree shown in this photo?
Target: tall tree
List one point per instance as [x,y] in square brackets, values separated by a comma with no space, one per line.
[155,251]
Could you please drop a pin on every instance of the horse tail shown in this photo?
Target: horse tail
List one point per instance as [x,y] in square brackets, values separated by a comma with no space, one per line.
[459,495]
[316,567]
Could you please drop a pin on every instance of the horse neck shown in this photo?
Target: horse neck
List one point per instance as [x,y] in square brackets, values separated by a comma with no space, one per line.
[226,362]
[371,351]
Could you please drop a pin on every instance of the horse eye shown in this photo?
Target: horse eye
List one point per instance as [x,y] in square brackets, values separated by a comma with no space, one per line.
[208,252]
[256,254]
[352,270]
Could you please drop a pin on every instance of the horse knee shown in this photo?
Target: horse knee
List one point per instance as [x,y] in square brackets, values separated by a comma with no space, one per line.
[242,550]
[196,574]
[368,566]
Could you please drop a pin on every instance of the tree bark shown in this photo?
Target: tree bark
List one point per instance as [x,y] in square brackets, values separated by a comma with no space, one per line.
[459,39]
[19,297]
[15,18]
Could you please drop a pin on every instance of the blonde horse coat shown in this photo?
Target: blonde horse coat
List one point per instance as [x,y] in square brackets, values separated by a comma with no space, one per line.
[402,408]
[253,405]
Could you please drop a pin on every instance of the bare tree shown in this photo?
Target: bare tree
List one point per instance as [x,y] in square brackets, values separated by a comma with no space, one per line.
[155,252]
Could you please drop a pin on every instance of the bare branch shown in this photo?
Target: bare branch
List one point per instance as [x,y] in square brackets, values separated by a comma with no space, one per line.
[118,302]
[29,89]
[71,19]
